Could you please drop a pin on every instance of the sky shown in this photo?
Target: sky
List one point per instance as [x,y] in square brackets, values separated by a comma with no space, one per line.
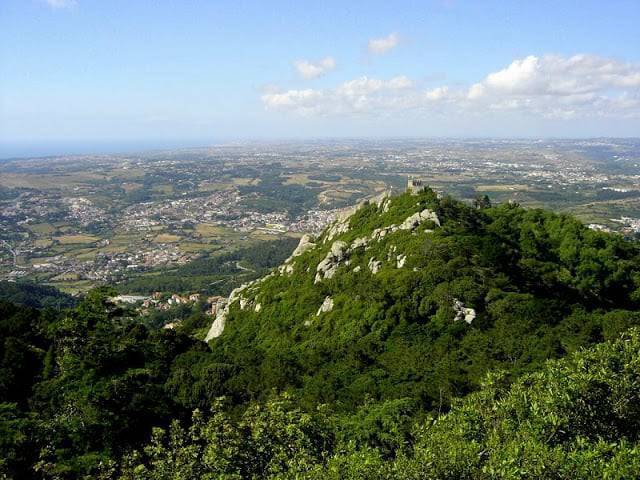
[109,75]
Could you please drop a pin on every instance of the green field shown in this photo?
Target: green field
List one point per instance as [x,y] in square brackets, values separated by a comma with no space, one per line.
[75,239]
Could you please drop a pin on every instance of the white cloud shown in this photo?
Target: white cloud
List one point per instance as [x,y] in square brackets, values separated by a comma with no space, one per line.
[520,75]
[366,85]
[436,94]
[360,95]
[400,82]
[476,91]
[555,86]
[302,101]
[378,46]
[310,70]
[550,86]
[555,75]
[61,3]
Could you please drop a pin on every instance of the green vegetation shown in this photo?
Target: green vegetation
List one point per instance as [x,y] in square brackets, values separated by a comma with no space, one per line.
[216,274]
[272,195]
[385,384]
[36,296]
[78,388]
[576,418]
[542,285]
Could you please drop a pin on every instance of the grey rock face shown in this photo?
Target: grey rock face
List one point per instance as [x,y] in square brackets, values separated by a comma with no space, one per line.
[326,306]
[341,225]
[305,244]
[462,312]
[329,265]
[374,265]
[417,218]
[361,242]
[218,323]
[217,327]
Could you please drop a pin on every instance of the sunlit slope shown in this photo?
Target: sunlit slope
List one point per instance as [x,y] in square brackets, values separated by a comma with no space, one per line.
[416,296]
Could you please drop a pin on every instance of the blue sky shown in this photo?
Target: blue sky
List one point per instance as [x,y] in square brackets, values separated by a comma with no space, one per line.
[195,72]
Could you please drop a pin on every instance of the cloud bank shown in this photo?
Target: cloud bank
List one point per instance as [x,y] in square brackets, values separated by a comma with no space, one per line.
[551,86]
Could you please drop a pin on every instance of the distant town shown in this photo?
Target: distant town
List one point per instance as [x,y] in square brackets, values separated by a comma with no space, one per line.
[81,221]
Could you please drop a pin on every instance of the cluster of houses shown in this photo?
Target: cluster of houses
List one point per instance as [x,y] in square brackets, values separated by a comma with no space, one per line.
[160,301]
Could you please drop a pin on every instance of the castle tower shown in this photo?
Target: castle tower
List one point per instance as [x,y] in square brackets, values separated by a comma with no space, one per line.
[415,185]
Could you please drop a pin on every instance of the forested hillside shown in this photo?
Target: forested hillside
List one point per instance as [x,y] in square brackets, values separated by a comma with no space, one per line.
[36,296]
[418,297]
[215,274]
[417,337]
[576,418]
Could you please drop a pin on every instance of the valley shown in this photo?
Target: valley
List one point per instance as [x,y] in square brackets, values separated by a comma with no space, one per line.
[76,222]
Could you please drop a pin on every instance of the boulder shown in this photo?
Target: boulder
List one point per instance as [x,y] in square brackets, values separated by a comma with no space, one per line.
[217,327]
[244,303]
[381,200]
[327,306]
[417,218]
[462,312]
[341,225]
[361,242]
[379,233]
[305,244]
[329,265]
[338,250]
[374,265]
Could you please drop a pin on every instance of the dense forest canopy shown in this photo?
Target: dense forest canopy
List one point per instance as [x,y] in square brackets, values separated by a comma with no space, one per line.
[215,274]
[389,381]
[36,296]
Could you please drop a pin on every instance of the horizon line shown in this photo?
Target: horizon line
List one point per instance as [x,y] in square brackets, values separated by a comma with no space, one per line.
[132,147]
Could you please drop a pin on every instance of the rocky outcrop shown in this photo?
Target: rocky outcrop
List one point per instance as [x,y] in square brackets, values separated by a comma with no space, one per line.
[218,323]
[341,225]
[217,327]
[383,201]
[374,265]
[417,218]
[326,306]
[287,268]
[361,242]
[462,312]
[329,265]
[339,255]
[336,229]
[379,233]
[305,244]
[410,223]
